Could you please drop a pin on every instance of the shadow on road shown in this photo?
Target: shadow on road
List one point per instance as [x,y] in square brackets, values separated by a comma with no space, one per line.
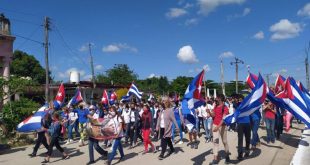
[255,153]
[9,151]
[127,156]
[201,158]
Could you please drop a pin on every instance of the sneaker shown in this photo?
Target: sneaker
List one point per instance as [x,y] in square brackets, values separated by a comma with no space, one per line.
[196,146]
[159,148]
[180,142]
[227,159]
[69,142]
[192,146]
[240,157]
[247,154]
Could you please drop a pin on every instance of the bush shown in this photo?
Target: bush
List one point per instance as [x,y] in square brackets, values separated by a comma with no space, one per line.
[15,112]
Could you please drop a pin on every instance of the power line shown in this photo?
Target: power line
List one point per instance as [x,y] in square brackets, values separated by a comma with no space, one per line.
[26,38]
[66,45]
[31,34]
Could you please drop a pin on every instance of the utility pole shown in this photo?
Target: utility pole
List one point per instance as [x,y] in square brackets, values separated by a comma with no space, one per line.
[236,62]
[307,66]
[93,74]
[222,77]
[46,29]
[267,77]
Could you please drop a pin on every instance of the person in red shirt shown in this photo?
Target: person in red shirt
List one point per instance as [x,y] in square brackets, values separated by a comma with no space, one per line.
[270,115]
[219,128]
[146,128]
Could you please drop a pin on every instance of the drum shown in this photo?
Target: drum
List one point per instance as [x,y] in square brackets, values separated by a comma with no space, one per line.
[101,129]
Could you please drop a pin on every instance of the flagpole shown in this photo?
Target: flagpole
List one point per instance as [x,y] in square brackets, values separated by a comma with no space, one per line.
[204,83]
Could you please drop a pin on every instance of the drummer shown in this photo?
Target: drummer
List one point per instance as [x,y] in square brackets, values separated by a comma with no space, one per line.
[92,142]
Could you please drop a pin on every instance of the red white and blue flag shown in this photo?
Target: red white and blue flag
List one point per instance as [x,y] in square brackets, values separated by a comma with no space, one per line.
[105,98]
[192,98]
[251,103]
[113,98]
[279,84]
[33,123]
[60,97]
[76,99]
[296,102]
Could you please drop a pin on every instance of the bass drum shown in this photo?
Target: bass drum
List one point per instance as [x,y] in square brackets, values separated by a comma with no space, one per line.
[101,129]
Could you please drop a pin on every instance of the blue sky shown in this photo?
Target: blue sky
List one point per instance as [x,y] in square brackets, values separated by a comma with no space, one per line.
[169,38]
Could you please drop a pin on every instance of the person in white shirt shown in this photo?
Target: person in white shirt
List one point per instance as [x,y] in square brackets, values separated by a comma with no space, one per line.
[207,121]
[126,114]
[199,120]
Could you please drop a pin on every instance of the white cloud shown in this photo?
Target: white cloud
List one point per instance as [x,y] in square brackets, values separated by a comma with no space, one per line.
[87,77]
[305,11]
[206,68]
[259,35]
[208,6]
[152,75]
[85,47]
[66,74]
[246,11]
[187,55]
[190,71]
[283,71]
[284,29]
[115,48]
[188,5]
[98,67]
[175,13]
[227,54]
[192,21]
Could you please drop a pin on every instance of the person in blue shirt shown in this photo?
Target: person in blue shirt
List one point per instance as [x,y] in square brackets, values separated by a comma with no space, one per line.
[255,121]
[82,114]
[243,129]
[179,118]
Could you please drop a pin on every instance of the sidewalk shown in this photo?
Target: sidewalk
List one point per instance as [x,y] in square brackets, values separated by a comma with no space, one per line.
[279,153]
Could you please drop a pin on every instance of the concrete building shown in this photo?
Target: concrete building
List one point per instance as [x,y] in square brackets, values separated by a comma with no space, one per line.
[6,50]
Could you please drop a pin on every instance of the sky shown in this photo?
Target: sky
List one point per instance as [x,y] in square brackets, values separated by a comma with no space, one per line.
[165,37]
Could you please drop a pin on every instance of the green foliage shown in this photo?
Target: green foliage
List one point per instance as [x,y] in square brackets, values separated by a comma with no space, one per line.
[14,84]
[16,111]
[230,88]
[120,74]
[180,84]
[25,65]
[156,85]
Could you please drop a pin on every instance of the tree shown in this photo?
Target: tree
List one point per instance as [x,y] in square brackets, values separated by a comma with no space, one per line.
[25,65]
[155,85]
[180,84]
[120,74]
[102,78]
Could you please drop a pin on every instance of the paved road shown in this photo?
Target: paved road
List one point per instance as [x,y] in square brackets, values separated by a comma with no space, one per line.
[279,153]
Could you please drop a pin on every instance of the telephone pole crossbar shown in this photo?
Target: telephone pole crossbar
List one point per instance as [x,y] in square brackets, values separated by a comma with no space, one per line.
[236,63]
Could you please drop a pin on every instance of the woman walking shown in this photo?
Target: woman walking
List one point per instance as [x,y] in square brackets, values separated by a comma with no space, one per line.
[55,130]
[165,120]
[146,128]
[118,130]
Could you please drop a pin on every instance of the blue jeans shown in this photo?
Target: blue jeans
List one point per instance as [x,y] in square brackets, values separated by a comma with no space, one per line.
[255,138]
[93,143]
[173,130]
[208,127]
[70,128]
[270,129]
[117,145]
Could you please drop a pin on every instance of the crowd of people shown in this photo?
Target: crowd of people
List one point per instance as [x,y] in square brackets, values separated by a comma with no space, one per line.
[156,124]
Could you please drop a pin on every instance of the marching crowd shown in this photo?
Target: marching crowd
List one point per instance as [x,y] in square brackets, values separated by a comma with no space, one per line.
[156,124]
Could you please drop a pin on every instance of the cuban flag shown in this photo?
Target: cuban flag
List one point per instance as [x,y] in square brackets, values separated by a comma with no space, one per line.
[251,80]
[33,123]
[296,101]
[279,84]
[133,90]
[105,98]
[77,98]
[192,98]
[60,97]
[251,103]
[303,89]
[113,98]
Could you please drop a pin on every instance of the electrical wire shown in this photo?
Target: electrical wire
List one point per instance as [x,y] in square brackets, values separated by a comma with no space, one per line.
[30,36]
[26,38]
